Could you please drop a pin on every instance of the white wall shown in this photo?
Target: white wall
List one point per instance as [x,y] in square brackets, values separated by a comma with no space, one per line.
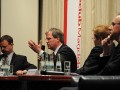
[19,18]
[94,12]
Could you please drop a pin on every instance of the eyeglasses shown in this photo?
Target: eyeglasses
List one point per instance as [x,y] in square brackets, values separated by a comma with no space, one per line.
[115,23]
[48,39]
[3,47]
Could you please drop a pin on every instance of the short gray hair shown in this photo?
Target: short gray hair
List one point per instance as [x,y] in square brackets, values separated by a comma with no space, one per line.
[57,33]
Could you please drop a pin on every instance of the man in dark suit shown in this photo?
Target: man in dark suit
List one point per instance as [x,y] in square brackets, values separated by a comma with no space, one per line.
[113,65]
[19,62]
[55,42]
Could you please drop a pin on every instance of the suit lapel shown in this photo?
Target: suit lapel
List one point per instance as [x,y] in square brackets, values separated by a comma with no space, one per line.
[115,52]
[0,57]
[13,59]
[59,49]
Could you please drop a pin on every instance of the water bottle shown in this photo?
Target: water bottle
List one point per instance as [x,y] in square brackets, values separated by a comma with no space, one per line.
[58,63]
[51,62]
[5,67]
[47,63]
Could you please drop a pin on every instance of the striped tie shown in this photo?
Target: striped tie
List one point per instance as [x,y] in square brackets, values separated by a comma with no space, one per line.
[5,59]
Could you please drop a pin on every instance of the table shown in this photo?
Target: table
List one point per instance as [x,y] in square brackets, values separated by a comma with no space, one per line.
[35,82]
[45,82]
[10,83]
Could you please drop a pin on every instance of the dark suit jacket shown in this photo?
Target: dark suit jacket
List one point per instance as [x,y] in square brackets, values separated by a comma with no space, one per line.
[19,62]
[94,63]
[113,65]
[67,54]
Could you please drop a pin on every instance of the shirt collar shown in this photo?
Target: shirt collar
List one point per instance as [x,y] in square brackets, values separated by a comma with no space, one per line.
[10,57]
[56,50]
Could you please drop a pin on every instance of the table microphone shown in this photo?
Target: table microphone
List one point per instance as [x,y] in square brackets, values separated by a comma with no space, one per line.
[39,58]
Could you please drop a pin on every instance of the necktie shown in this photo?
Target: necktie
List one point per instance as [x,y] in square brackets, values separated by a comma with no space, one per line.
[55,59]
[5,59]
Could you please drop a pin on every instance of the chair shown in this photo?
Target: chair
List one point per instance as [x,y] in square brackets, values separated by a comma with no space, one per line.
[99,83]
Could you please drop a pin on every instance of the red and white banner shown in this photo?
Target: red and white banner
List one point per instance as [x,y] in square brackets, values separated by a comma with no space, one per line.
[72,26]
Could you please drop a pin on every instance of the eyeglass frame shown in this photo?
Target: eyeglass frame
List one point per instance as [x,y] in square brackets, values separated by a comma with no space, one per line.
[113,24]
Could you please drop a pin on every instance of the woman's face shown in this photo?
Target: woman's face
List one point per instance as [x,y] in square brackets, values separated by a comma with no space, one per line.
[96,41]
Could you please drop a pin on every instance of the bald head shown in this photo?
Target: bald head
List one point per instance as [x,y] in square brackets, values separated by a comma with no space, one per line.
[117,19]
[116,28]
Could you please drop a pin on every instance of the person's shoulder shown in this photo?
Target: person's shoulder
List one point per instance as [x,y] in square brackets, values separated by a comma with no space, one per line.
[66,48]
[19,55]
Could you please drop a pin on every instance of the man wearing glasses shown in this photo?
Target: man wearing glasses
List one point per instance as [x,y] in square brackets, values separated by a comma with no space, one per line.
[19,62]
[113,65]
[55,42]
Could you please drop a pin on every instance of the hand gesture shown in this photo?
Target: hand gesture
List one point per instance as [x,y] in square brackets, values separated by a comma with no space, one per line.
[36,48]
[107,44]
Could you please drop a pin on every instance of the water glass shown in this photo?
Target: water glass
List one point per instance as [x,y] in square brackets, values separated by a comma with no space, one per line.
[11,70]
[7,70]
[67,65]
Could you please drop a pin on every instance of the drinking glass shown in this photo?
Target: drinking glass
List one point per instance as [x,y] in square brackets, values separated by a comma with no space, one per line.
[11,70]
[67,65]
[7,70]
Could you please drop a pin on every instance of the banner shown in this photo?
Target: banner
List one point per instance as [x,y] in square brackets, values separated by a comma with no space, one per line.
[72,26]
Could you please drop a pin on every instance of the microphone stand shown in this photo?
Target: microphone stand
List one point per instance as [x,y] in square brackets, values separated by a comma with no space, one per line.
[39,63]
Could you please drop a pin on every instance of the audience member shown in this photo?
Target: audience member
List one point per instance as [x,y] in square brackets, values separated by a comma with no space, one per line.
[113,65]
[19,62]
[97,58]
[55,42]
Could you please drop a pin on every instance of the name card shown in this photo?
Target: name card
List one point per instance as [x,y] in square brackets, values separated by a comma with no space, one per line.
[32,72]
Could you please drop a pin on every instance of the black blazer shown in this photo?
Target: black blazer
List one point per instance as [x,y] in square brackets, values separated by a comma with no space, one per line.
[19,62]
[94,63]
[67,54]
[113,65]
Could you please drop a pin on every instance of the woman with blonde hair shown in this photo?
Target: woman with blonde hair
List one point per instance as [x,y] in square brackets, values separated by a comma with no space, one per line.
[98,57]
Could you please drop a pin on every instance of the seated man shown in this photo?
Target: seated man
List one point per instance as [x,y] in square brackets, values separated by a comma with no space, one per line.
[19,62]
[113,65]
[55,42]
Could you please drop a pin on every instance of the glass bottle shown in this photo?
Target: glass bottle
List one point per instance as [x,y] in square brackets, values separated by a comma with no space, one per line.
[58,63]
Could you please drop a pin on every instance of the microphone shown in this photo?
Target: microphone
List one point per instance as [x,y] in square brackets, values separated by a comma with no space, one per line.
[43,47]
[39,57]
